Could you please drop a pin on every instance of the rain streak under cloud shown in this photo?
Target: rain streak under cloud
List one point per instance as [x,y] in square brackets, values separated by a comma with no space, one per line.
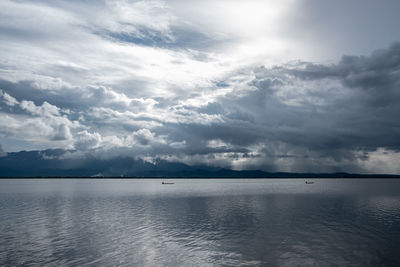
[274,85]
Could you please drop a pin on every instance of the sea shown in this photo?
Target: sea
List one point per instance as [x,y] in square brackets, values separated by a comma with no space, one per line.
[199,222]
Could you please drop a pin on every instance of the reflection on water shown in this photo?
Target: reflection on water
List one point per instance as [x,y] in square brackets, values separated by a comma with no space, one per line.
[200,222]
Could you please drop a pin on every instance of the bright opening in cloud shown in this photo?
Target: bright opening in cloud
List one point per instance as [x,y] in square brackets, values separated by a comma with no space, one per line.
[252,18]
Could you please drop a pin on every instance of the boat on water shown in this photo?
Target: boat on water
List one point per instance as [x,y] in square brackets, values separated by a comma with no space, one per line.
[166,183]
[309,182]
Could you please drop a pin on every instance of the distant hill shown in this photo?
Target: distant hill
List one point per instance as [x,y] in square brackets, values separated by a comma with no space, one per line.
[53,163]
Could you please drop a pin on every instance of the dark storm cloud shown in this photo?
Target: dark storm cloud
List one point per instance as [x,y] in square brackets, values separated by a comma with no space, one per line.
[378,70]
[310,112]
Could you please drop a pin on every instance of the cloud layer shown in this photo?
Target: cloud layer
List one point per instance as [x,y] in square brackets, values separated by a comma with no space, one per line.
[147,79]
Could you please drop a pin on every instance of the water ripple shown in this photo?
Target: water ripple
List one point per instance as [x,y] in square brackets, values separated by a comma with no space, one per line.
[199,223]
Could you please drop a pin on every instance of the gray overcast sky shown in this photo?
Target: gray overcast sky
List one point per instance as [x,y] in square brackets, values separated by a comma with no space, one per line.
[279,85]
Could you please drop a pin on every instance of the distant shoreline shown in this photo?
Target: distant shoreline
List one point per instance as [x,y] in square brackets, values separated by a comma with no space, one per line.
[358,176]
[34,165]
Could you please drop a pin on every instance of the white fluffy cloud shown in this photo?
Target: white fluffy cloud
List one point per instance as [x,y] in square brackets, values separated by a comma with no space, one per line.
[7,99]
[86,140]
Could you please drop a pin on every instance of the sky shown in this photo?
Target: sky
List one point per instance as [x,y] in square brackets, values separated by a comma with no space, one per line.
[277,85]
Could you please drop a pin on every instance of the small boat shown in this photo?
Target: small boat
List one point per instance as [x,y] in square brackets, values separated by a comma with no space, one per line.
[309,182]
[166,183]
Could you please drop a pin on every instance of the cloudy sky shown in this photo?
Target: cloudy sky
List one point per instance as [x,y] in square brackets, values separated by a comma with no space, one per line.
[277,85]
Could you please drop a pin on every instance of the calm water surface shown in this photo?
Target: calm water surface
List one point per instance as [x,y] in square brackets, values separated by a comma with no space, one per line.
[271,222]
